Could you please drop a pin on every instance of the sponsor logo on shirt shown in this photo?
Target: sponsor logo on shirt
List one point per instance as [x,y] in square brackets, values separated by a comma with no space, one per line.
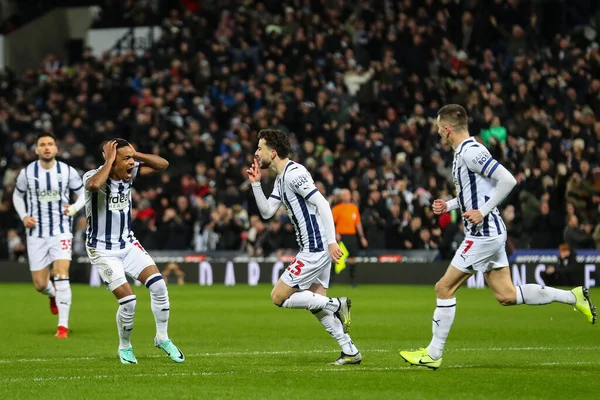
[48,195]
[118,202]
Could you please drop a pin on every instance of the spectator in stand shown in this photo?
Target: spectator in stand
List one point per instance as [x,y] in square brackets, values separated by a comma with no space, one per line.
[357,87]
[576,236]
[564,272]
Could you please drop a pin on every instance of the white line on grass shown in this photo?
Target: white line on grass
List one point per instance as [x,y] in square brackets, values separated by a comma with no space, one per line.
[296,352]
[270,371]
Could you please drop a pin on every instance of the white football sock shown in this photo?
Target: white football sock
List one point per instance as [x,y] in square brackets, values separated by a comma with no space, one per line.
[311,301]
[443,317]
[63,300]
[334,327]
[159,301]
[125,315]
[536,295]
[49,290]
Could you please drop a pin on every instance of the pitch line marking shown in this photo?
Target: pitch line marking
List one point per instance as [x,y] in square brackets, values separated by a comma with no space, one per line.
[272,371]
[296,352]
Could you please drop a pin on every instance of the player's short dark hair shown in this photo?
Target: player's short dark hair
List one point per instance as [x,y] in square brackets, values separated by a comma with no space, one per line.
[454,115]
[120,143]
[276,140]
[43,135]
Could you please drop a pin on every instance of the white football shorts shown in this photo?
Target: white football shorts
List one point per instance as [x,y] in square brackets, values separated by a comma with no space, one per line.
[45,250]
[308,268]
[112,265]
[481,254]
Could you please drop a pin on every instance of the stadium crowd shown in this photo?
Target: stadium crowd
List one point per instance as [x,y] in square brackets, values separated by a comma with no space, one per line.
[356,85]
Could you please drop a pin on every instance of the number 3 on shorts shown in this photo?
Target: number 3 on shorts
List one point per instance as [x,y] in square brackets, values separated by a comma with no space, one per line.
[295,267]
[65,244]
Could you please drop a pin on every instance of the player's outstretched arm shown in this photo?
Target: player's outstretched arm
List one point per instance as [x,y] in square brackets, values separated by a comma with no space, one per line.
[266,207]
[479,160]
[151,163]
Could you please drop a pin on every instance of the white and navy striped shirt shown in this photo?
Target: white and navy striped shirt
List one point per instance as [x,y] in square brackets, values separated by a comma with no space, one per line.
[46,191]
[293,187]
[108,212]
[472,169]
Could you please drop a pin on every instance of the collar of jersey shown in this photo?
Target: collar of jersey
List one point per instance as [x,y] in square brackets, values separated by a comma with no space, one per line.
[462,144]
[286,166]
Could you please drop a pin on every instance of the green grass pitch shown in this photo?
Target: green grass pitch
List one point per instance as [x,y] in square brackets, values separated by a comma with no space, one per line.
[240,346]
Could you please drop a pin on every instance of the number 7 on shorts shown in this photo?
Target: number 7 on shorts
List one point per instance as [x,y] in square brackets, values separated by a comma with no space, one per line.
[469,244]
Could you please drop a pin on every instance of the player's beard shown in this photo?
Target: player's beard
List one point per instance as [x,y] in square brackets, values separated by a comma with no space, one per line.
[446,141]
[46,159]
[264,164]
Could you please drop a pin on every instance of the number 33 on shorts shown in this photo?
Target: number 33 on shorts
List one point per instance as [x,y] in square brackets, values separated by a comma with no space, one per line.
[295,267]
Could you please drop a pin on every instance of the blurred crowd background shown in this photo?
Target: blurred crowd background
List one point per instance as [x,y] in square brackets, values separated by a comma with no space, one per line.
[356,85]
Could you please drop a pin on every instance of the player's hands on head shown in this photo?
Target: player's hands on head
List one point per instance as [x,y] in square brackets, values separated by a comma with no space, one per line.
[335,252]
[133,149]
[254,173]
[29,222]
[110,151]
[473,216]
[439,207]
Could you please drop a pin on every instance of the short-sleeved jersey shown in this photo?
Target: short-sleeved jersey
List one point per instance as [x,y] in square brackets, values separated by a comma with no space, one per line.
[472,171]
[345,217]
[108,213]
[46,191]
[293,187]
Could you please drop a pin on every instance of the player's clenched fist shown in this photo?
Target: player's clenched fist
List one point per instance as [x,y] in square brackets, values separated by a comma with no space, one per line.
[473,216]
[29,222]
[439,207]
[254,173]
[69,210]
